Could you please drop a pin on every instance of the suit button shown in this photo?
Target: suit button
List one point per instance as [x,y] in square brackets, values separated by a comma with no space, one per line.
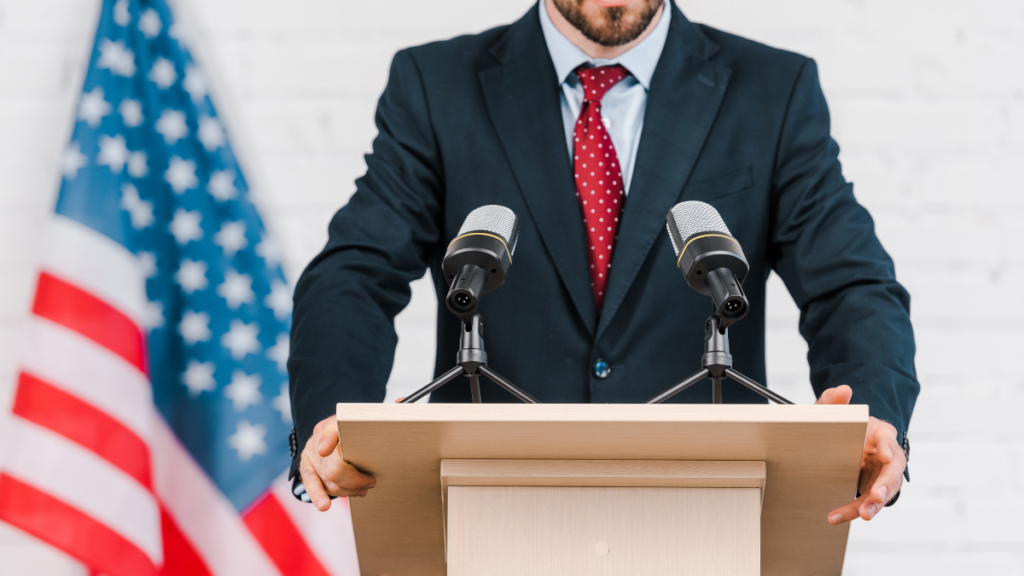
[601,369]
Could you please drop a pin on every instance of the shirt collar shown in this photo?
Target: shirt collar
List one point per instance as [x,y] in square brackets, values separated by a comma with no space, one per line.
[640,60]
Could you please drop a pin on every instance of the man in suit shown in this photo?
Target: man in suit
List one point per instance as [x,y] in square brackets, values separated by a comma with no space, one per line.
[590,119]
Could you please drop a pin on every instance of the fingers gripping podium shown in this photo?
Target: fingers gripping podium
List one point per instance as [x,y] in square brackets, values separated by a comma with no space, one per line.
[582,489]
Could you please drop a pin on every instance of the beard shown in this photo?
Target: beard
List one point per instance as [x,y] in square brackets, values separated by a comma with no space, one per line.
[609,26]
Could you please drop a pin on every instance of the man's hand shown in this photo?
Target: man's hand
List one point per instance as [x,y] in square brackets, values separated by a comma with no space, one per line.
[881,465]
[325,473]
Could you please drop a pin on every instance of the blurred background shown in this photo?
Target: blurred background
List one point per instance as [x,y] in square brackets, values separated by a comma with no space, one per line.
[927,99]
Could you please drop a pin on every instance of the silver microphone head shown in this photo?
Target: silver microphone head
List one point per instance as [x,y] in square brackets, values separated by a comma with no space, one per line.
[691,218]
[496,220]
[710,259]
[478,259]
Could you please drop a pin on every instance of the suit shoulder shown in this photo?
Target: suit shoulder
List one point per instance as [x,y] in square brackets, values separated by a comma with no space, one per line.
[748,55]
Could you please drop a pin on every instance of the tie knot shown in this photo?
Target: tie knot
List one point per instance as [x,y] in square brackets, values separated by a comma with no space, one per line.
[597,81]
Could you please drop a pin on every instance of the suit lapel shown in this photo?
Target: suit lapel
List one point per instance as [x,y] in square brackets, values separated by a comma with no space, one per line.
[523,101]
[685,94]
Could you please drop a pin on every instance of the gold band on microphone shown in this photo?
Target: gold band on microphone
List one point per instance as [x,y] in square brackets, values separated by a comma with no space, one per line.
[683,251]
[498,238]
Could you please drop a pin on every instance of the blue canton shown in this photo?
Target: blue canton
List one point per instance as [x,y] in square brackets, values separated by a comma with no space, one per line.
[149,166]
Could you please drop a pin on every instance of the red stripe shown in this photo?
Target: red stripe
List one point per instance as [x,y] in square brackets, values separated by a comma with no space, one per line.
[179,555]
[70,530]
[74,308]
[83,424]
[278,535]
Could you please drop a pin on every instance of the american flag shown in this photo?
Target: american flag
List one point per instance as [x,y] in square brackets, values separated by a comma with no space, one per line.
[149,431]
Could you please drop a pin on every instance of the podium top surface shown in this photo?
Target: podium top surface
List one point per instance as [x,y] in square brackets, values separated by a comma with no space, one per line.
[812,454]
[555,413]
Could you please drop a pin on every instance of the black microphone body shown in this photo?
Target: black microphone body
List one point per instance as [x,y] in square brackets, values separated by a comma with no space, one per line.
[710,259]
[478,259]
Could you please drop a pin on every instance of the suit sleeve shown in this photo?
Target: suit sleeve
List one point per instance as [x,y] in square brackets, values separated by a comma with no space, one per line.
[853,314]
[343,336]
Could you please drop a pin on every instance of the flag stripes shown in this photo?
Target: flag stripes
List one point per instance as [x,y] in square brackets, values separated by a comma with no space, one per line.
[76,309]
[70,529]
[283,542]
[180,558]
[204,515]
[100,267]
[79,422]
[66,360]
[79,478]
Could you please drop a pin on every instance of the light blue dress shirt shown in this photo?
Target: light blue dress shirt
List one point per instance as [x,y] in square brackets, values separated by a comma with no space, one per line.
[622,107]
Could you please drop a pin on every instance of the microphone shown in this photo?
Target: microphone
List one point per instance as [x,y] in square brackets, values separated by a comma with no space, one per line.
[710,259]
[478,259]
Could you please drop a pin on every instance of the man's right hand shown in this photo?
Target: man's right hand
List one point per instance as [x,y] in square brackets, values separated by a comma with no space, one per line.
[324,473]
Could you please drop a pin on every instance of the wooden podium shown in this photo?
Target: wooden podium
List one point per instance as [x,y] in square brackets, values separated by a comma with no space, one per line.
[600,489]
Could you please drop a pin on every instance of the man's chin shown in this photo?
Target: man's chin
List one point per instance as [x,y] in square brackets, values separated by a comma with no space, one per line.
[613,33]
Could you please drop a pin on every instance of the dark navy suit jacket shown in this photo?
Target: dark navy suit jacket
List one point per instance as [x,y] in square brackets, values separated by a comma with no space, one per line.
[475,120]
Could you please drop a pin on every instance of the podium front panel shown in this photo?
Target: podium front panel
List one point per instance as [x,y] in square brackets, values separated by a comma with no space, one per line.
[812,455]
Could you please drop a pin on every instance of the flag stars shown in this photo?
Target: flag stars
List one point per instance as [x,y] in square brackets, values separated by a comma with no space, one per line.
[240,339]
[211,133]
[283,404]
[162,73]
[194,84]
[222,185]
[191,276]
[231,238]
[113,153]
[116,58]
[153,315]
[138,166]
[269,251]
[131,112]
[181,175]
[171,126]
[198,377]
[121,15]
[140,211]
[73,161]
[185,226]
[147,263]
[279,300]
[248,440]
[279,353]
[194,328]
[244,390]
[236,289]
[93,107]
[149,23]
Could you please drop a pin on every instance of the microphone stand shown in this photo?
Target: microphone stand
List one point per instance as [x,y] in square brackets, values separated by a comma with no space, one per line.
[717,365]
[472,362]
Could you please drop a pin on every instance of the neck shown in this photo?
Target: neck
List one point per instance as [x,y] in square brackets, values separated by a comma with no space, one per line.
[589,47]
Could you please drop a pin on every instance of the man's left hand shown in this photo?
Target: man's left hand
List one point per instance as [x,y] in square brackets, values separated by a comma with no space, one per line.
[881,465]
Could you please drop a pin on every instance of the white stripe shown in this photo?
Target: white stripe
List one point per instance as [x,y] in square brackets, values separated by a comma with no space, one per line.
[329,534]
[204,515]
[79,366]
[104,268]
[55,465]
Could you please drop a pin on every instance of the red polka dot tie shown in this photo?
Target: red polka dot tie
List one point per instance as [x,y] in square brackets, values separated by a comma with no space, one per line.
[599,186]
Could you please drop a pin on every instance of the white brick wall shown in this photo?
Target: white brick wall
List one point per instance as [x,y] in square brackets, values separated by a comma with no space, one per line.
[928,104]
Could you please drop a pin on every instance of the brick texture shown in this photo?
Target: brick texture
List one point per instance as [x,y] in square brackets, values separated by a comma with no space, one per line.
[928,105]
